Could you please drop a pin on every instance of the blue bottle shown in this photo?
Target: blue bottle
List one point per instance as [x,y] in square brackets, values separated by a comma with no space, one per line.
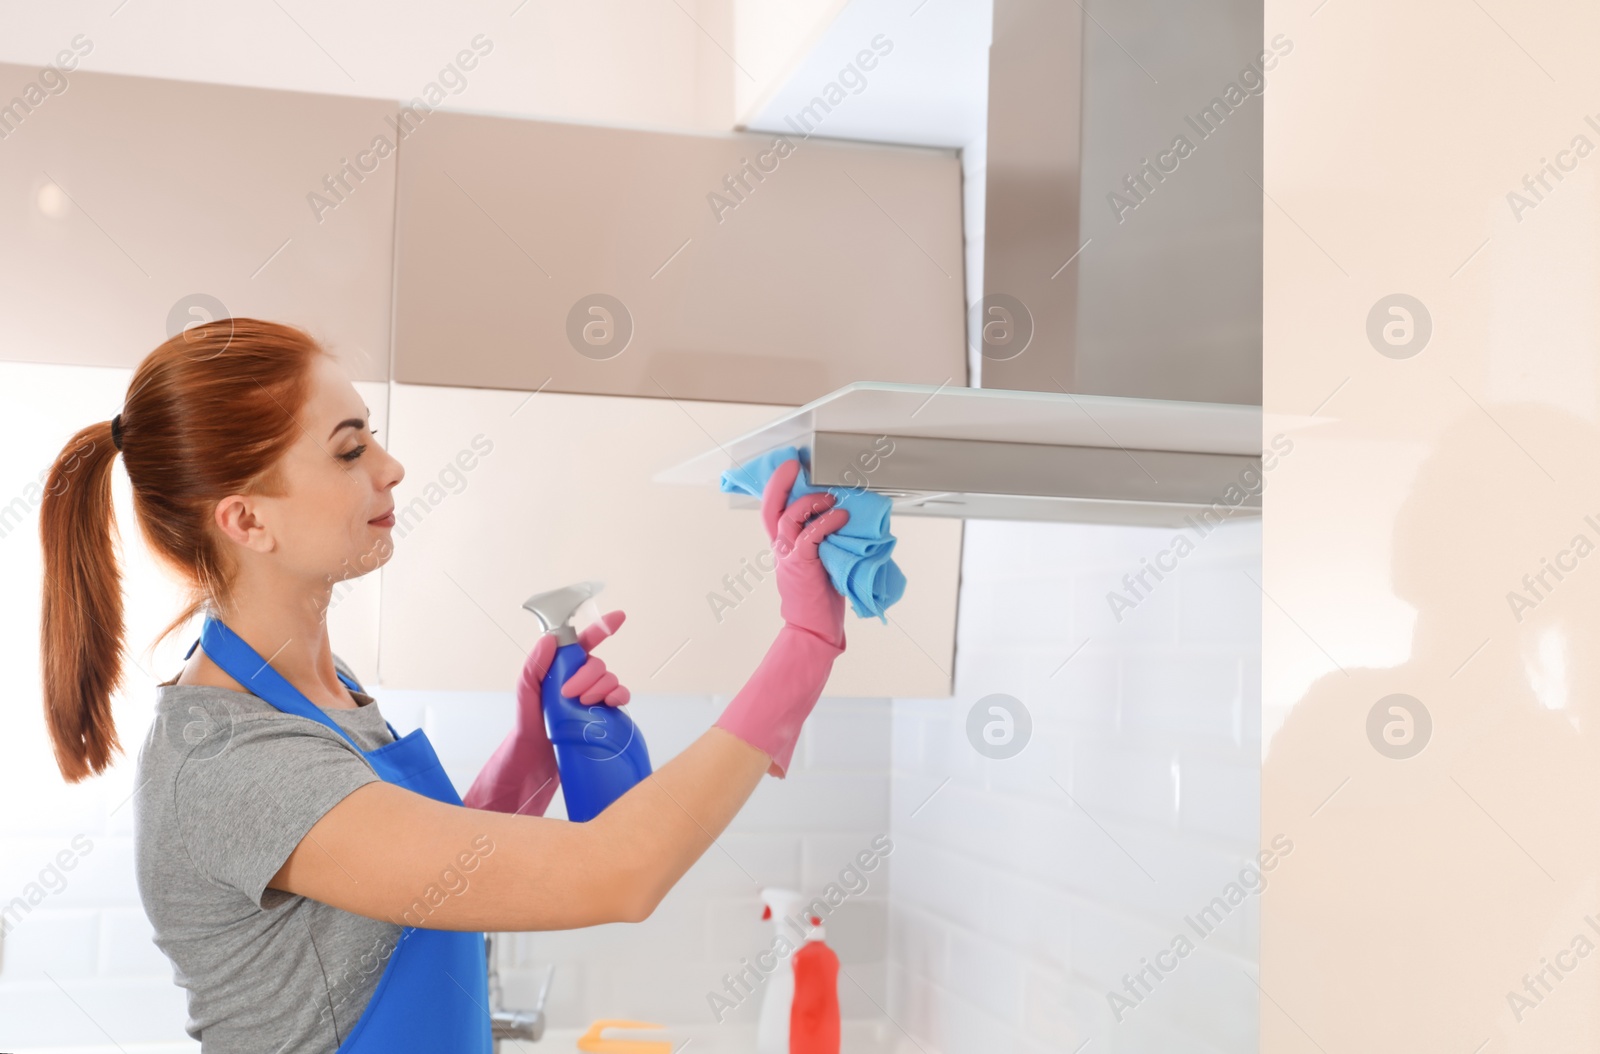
[599,750]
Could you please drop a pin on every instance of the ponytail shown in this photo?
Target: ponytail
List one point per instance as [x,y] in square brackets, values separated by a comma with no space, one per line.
[81,628]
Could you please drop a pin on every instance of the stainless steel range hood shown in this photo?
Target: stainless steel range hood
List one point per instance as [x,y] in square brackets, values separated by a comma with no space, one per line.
[1016,455]
[1137,292]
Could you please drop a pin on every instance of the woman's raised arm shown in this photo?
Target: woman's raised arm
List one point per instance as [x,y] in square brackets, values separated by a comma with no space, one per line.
[389,853]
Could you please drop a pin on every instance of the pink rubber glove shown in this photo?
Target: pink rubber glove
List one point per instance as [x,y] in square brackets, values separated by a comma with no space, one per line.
[769,710]
[521,776]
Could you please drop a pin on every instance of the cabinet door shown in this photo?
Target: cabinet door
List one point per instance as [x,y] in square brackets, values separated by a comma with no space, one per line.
[743,268]
[510,493]
[131,206]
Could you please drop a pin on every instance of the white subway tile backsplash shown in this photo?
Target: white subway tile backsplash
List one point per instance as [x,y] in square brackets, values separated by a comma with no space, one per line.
[1053,1008]
[850,860]
[847,734]
[942,883]
[963,817]
[464,724]
[1045,761]
[970,1029]
[946,749]
[858,931]
[75,808]
[905,735]
[919,942]
[75,871]
[1219,797]
[656,988]
[1149,616]
[984,668]
[818,802]
[1110,945]
[60,942]
[407,714]
[733,928]
[83,1011]
[1132,781]
[671,722]
[1208,992]
[1083,688]
[915,1006]
[1222,605]
[1031,917]
[987,973]
[1182,696]
[1029,610]
[743,861]
[863,990]
[126,945]
[1251,709]
[1187,871]
[1134,804]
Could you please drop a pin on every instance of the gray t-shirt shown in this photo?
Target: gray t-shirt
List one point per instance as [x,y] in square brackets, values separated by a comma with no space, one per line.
[227,787]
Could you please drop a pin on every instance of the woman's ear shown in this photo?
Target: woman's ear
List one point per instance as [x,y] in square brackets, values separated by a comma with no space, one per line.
[236,518]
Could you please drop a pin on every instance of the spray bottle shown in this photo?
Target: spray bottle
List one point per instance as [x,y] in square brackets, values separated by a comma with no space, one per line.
[814,1026]
[599,750]
[777,1002]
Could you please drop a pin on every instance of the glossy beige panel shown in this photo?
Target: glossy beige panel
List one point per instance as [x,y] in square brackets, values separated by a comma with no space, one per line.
[130,205]
[510,493]
[1431,780]
[621,262]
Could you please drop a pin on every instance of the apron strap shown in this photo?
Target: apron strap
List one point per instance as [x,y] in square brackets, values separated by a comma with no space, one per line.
[349,683]
[230,652]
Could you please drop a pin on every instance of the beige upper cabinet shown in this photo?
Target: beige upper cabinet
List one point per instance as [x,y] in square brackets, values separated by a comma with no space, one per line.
[743,267]
[131,206]
[659,292]
[510,493]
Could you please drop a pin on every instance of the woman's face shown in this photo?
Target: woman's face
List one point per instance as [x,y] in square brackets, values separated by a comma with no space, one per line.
[338,481]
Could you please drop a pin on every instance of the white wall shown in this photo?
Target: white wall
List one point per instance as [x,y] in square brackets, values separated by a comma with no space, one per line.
[607,61]
[770,38]
[1024,889]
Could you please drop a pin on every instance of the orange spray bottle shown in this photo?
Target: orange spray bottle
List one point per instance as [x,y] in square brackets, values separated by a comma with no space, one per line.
[814,1016]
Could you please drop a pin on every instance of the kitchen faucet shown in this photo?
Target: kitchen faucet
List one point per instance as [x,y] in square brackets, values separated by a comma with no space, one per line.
[513,1024]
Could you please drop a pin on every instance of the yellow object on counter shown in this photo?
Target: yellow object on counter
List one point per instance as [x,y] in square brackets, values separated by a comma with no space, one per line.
[593,1042]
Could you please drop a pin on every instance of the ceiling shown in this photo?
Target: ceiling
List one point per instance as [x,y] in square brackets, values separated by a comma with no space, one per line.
[930,88]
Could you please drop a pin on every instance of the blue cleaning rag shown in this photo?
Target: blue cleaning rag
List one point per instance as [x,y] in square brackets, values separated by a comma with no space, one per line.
[857,555]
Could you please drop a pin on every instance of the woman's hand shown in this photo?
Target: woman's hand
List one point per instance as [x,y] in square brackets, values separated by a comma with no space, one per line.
[768,712]
[521,775]
[807,597]
[591,684]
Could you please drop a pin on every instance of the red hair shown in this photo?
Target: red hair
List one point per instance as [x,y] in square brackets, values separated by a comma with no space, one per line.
[208,413]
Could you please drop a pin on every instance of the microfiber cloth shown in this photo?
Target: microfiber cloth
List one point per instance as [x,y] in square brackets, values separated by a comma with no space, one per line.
[857,555]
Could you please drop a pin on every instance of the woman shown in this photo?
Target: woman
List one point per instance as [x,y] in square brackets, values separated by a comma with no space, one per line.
[316,883]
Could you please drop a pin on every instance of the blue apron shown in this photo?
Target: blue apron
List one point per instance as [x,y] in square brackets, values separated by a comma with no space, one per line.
[434,992]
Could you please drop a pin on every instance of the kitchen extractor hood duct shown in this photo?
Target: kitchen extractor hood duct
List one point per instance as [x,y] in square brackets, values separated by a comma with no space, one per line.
[1120,328]
[1127,138]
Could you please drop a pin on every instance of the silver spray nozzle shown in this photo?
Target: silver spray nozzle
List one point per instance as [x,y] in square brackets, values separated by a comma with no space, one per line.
[556,608]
